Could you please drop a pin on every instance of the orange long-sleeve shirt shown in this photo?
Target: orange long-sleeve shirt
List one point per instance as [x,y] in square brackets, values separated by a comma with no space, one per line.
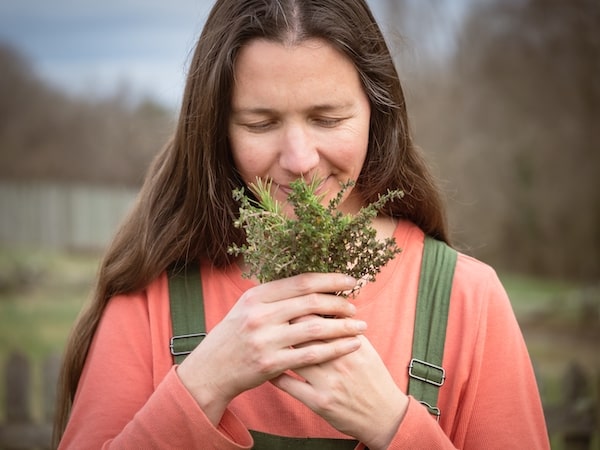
[130,395]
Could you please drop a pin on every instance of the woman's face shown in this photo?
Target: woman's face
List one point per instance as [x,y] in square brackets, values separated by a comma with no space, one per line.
[299,111]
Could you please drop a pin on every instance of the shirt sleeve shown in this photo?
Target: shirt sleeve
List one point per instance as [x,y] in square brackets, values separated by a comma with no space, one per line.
[117,405]
[500,407]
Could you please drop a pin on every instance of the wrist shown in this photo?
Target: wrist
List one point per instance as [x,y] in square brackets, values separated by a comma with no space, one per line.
[388,429]
[208,396]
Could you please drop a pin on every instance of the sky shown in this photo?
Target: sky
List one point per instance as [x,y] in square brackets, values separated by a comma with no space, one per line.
[96,46]
[100,47]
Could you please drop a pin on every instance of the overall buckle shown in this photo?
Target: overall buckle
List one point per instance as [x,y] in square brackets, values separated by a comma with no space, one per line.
[426,372]
[184,344]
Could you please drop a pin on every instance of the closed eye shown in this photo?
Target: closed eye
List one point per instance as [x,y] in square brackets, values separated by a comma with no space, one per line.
[258,127]
[328,122]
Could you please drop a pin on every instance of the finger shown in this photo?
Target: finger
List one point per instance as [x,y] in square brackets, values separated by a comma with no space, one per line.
[318,352]
[296,387]
[317,328]
[290,309]
[323,305]
[303,284]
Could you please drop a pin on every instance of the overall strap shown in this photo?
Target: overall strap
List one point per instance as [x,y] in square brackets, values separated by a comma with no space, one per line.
[265,441]
[426,374]
[187,311]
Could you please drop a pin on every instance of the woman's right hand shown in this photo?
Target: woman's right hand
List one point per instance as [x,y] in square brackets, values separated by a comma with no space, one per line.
[259,339]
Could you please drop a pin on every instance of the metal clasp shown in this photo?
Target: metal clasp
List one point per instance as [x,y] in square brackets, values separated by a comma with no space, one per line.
[425,372]
[433,410]
[184,336]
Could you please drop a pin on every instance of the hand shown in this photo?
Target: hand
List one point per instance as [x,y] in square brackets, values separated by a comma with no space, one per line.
[355,393]
[258,339]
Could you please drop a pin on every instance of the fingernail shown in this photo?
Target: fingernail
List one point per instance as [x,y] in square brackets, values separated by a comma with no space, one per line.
[360,325]
[350,281]
[351,344]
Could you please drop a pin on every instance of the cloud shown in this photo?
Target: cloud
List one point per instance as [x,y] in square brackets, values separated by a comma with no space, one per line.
[76,44]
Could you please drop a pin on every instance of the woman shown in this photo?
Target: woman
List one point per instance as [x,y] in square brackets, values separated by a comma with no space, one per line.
[283,89]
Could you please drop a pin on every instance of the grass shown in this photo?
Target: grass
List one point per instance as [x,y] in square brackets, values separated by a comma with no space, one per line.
[41,294]
[560,320]
[530,295]
[561,326]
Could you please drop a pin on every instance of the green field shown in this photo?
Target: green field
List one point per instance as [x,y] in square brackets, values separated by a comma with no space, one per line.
[41,294]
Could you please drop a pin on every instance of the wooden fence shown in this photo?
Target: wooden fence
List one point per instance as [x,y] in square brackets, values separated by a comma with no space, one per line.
[61,216]
[20,428]
[575,420]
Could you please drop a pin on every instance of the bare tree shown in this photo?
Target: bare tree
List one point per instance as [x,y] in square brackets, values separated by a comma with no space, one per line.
[46,134]
[517,133]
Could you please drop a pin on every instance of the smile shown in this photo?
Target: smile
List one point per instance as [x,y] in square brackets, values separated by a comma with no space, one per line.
[286,189]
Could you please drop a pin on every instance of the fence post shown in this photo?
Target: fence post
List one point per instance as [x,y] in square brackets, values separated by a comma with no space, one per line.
[20,431]
[18,382]
[578,406]
[50,372]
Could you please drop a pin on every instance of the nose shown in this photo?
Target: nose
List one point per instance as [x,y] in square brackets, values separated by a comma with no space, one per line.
[299,154]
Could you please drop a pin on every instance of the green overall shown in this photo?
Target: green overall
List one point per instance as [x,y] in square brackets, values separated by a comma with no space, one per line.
[426,375]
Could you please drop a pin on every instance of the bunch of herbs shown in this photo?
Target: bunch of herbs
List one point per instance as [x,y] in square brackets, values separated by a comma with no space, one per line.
[319,238]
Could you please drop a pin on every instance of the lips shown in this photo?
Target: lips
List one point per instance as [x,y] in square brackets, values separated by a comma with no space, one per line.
[286,189]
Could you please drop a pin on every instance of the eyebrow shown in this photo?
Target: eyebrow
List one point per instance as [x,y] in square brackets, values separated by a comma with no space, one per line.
[326,107]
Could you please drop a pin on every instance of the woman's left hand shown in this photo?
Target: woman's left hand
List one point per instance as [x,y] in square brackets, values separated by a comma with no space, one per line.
[354,393]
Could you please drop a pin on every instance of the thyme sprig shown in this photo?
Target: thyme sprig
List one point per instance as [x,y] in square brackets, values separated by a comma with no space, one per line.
[318,239]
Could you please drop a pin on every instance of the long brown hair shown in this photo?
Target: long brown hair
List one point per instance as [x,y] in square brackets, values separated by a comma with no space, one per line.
[185,210]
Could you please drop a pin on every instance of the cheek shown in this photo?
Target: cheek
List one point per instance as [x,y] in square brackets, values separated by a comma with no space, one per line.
[362,146]
[240,153]
[351,149]
[249,160]
[246,165]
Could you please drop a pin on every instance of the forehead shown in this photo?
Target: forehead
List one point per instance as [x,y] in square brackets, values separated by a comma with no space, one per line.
[271,69]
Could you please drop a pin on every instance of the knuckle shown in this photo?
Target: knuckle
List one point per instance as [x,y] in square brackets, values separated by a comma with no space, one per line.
[324,402]
[252,322]
[309,357]
[312,301]
[250,297]
[304,282]
[251,316]
[266,365]
[314,328]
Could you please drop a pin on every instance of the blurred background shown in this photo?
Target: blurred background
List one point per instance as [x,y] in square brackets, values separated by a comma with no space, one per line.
[504,99]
